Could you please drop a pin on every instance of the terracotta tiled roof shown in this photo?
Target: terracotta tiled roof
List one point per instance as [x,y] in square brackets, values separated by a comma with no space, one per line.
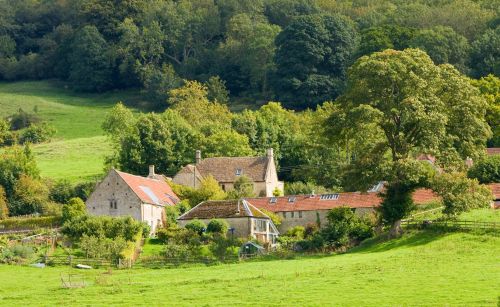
[310,203]
[224,169]
[493,151]
[151,191]
[495,189]
[214,209]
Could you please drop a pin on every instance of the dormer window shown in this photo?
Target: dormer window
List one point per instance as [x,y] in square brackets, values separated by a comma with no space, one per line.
[273,200]
[291,199]
[238,172]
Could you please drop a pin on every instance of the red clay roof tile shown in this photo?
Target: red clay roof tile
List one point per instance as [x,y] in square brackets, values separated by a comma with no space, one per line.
[151,191]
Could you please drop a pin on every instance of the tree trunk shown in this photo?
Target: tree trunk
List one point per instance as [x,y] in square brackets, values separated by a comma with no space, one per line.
[396,229]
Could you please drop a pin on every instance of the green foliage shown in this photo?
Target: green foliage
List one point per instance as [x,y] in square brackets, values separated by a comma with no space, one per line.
[196,226]
[301,188]
[31,223]
[157,139]
[489,87]
[37,134]
[242,187]
[312,57]
[102,226]
[487,170]
[461,194]
[444,117]
[159,82]
[73,209]
[485,56]
[443,45]
[217,90]
[61,191]
[217,226]
[101,247]
[4,207]
[345,226]
[30,196]
[22,119]
[89,61]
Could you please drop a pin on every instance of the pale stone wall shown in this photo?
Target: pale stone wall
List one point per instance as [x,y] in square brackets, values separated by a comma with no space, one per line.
[309,217]
[243,228]
[272,181]
[187,180]
[127,203]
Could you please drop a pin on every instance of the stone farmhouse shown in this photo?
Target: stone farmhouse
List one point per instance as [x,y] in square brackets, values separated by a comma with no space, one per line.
[301,210]
[226,170]
[244,219]
[123,194]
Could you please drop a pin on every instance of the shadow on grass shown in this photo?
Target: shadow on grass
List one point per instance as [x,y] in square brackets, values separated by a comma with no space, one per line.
[410,239]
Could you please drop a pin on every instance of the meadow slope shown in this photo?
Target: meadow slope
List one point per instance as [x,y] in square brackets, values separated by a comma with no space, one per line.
[78,150]
[420,269]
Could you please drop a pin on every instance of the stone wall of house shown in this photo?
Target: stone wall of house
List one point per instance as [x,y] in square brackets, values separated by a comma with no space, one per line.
[291,219]
[186,179]
[272,181]
[127,203]
[152,215]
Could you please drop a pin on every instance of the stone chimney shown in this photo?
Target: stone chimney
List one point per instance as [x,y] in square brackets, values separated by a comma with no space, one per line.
[270,153]
[151,171]
[198,156]
[469,162]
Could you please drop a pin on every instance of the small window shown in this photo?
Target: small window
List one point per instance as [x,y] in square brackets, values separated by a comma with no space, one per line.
[291,199]
[293,214]
[284,214]
[111,206]
[223,186]
[329,197]
[238,172]
[300,214]
[273,200]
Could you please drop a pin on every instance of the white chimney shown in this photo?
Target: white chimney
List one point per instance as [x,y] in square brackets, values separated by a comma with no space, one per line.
[151,171]
[270,153]
[198,156]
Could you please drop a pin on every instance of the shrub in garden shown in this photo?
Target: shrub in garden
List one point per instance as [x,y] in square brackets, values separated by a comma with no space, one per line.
[73,209]
[196,226]
[217,226]
[101,247]
[345,226]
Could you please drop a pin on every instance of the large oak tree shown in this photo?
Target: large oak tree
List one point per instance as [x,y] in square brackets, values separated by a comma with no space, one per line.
[407,106]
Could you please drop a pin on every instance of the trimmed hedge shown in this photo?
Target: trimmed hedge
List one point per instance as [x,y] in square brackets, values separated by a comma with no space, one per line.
[30,223]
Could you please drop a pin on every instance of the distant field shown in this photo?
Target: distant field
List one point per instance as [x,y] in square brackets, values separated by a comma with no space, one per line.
[420,269]
[79,147]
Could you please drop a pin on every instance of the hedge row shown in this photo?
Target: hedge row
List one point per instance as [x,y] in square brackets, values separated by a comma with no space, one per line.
[30,223]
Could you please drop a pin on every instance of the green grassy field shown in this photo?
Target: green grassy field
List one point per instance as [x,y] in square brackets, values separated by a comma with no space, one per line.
[419,269]
[79,147]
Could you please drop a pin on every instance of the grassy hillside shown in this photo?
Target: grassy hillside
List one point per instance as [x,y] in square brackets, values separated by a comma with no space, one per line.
[79,147]
[430,268]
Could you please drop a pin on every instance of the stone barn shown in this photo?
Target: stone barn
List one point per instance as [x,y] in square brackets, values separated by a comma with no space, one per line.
[123,194]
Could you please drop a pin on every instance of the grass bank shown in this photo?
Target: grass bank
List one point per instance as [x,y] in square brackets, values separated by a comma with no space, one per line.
[79,146]
[421,268]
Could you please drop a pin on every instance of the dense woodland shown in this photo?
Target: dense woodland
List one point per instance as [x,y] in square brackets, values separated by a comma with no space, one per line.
[293,51]
[364,88]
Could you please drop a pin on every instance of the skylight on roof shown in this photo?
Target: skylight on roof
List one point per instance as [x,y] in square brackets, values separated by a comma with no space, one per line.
[151,194]
[292,199]
[238,172]
[273,200]
[329,196]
